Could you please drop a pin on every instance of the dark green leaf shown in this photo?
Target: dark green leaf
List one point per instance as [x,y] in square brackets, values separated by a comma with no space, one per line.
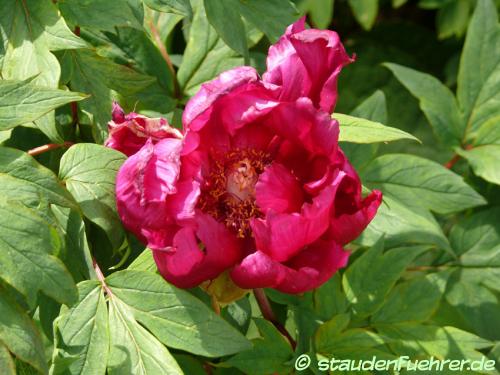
[102,15]
[269,354]
[19,334]
[370,278]
[365,12]
[411,178]
[321,12]
[413,301]
[24,180]
[27,245]
[436,101]
[7,366]
[225,18]
[24,101]
[331,343]
[182,7]
[170,314]
[89,171]
[480,57]
[97,76]
[272,17]
[484,161]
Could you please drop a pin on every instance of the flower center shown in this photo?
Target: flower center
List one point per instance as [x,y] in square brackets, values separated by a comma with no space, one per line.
[229,191]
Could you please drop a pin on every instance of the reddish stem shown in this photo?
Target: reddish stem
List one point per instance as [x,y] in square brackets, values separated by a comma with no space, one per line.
[452,161]
[166,57]
[268,314]
[100,277]
[51,146]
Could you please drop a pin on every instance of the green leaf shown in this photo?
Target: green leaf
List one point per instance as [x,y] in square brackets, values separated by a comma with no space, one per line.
[480,57]
[370,278]
[144,262]
[329,299]
[484,161]
[403,222]
[436,101]
[272,17]
[416,341]
[97,76]
[373,108]
[365,12]
[133,349]
[182,7]
[321,12]
[226,20]
[270,354]
[413,301]
[411,178]
[23,179]
[24,101]
[33,28]
[331,343]
[102,15]
[477,233]
[27,243]
[452,19]
[89,171]
[171,314]
[359,130]
[206,55]
[7,366]
[19,334]
[82,333]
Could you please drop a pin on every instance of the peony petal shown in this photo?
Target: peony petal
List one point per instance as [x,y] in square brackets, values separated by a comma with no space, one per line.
[186,264]
[279,190]
[312,267]
[307,63]
[282,235]
[346,227]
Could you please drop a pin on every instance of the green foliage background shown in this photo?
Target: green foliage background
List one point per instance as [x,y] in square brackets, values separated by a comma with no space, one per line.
[420,120]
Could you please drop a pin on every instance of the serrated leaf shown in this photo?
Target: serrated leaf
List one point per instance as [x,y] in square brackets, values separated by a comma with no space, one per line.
[133,349]
[411,178]
[436,101]
[102,15]
[24,101]
[20,335]
[89,171]
[23,179]
[370,278]
[414,300]
[170,314]
[182,7]
[270,354]
[359,130]
[97,76]
[27,245]
[82,334]
[365,12]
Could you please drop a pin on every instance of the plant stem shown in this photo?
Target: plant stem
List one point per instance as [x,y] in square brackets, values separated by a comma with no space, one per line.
[166,57]
[100,277]
[268,314]
[452,161]
[51,146]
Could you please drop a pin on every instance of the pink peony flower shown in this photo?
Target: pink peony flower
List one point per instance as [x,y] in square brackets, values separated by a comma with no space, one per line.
[128,133]
[258,185]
